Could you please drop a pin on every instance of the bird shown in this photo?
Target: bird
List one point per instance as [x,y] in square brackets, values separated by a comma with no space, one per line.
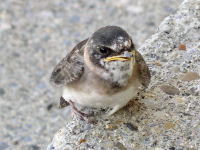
[104,70]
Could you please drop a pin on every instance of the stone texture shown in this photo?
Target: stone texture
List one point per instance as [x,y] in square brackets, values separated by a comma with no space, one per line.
[171,90]
[36,34]
[182,47]
[189,76]
[165,120]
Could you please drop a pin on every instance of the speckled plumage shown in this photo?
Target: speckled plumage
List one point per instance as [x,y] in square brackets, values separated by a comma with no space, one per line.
[70,68]
[90,81]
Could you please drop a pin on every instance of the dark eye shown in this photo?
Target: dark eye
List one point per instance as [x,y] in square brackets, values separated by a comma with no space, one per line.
[104,50]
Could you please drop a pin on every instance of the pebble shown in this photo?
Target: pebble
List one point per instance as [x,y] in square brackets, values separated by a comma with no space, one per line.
[149,95]
[169,125]
[189,76]
[182,47]
[131,126]
[170,90]
[82,141]
[179,100]
[157,64]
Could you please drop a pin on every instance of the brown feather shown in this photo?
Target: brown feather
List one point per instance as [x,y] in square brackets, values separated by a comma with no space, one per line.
[70,68]
[143,70]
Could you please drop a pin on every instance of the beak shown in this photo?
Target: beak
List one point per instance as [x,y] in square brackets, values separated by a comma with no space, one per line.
[127,56]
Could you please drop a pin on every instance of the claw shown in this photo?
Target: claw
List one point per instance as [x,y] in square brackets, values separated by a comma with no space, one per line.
[133,106]
[82,116]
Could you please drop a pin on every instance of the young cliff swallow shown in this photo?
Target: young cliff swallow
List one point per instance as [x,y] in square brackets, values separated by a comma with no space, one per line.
[102,71]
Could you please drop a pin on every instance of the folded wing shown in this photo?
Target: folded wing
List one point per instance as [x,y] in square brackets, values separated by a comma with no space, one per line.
[143,70]
[70,68]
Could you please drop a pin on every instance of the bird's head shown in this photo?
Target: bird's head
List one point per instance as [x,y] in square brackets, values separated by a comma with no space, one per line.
[110,53]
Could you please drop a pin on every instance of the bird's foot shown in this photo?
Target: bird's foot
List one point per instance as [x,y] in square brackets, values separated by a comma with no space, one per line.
[112,110]
[82,116]
[133,106]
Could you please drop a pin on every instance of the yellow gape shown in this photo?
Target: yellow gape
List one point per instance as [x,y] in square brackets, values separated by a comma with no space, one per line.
[120,58]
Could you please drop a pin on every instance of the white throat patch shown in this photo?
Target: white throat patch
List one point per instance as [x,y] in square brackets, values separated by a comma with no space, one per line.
[118,71]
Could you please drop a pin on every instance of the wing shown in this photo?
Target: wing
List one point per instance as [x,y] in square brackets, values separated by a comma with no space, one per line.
[143,70]
[70,68]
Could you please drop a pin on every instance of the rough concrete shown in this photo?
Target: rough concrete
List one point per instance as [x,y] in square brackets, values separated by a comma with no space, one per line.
[168,116]
[34,36]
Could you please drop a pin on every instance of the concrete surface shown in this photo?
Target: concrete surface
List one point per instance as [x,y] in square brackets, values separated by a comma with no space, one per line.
[169,113]
[34,36]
